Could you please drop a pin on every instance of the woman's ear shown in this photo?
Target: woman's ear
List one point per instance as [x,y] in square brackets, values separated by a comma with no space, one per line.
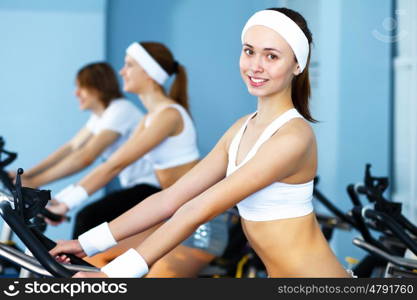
[297,70]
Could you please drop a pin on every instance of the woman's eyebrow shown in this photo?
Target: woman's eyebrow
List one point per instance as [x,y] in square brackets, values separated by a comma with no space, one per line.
[265,49]
[272,49]
[247,45]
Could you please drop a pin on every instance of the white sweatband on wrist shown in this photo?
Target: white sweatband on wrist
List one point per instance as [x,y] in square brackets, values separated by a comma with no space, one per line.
[129,264]
[64,191]
[285,27]
[97,239]
[72,196]
[147,62]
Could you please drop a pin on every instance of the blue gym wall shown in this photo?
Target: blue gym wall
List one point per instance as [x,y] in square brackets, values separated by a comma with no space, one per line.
[43,44]
[365,114]
[351,74]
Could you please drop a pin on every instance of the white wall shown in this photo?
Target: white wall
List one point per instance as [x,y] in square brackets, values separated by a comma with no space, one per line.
[405,108]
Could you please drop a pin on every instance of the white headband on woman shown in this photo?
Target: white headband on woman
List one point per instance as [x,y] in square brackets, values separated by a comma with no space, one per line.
[287,28]
[147,62]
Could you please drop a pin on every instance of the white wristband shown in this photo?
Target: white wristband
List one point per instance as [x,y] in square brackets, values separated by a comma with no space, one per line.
[129,264]
[97,239]
[64,191]
[72,196]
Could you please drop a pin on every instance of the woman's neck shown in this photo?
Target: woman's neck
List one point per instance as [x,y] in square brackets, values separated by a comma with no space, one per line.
[153,99]
[269,107]
[98,109]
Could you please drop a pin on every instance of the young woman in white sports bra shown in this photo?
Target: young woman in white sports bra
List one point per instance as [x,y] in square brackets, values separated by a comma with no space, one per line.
[265,164]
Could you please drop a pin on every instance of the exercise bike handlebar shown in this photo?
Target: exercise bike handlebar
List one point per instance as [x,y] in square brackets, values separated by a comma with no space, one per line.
[397,260]
[393,226]
[36,242]
[8,160]
[11,155]
[32,243]
[46,213]
[32,264]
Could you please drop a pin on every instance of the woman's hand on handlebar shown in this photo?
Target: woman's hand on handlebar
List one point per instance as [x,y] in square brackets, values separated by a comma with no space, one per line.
[53,201]
[57,208]
[67,247]
[90,275]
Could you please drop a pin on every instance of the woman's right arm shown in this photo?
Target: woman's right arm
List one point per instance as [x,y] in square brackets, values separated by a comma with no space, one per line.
[75,143]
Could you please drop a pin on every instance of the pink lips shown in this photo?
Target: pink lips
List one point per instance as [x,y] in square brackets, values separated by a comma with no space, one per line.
[257,82]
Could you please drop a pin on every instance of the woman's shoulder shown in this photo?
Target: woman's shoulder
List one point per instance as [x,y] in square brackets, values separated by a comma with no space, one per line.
[297,131]
[171,111]
[298,126]
[169,114]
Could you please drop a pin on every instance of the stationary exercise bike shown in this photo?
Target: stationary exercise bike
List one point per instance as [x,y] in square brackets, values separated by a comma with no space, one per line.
[24,211]
[397,235]
[7,191]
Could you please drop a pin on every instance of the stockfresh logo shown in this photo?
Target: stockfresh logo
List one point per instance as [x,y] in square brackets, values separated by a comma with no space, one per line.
[11,290]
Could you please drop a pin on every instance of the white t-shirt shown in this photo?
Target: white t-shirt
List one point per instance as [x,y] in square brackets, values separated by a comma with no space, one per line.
[122,116]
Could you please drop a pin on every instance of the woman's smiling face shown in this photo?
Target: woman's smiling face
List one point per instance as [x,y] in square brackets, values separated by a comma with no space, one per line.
[267,62]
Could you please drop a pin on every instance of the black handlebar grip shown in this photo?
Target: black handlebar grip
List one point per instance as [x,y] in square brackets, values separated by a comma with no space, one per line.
[75,260]
[53,216]
[360,189]
[49,244]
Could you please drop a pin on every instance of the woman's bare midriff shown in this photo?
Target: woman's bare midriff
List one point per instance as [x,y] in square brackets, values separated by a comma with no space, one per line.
[293,247]
[167,177]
